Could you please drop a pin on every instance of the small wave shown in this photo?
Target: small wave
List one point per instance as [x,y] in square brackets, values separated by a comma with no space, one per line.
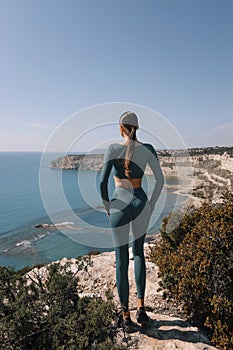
[65,223]
[40,236]
[25,243]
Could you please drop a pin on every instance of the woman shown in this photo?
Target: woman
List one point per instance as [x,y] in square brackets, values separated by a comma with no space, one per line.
[130,205]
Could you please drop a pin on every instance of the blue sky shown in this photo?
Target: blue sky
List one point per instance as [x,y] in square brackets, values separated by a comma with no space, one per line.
[59,57]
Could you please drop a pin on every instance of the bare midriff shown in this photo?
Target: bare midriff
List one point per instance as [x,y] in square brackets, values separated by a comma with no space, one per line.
[127,183]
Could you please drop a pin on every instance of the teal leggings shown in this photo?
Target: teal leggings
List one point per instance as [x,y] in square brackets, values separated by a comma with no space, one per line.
[129,206]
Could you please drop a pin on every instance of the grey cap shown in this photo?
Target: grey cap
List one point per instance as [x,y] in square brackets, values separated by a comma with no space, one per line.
[129,118]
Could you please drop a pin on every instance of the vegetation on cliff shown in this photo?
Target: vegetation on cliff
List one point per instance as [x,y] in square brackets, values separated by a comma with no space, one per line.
[195,260]
[49,314]
[211,150]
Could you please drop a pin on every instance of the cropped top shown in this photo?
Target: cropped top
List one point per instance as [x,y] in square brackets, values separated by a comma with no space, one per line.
[144,153]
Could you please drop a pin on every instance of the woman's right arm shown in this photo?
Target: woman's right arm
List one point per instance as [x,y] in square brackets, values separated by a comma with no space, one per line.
[156,169]
[106,169]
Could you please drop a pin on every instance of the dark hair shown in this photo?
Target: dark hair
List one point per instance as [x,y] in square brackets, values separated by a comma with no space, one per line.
[132,137]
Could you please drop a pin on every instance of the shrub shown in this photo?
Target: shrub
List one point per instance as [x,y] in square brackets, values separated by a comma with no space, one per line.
[195,260]
[45,312]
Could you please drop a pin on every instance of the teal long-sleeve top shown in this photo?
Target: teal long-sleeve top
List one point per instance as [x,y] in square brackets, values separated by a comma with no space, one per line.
[144,153]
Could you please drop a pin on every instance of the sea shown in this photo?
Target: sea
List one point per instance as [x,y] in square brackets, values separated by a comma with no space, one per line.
[28,235]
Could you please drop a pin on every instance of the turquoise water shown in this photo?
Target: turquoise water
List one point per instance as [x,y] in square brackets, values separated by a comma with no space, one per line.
[21,209]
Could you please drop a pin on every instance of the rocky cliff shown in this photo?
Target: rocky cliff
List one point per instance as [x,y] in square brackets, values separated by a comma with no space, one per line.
[168,329]
[76,162]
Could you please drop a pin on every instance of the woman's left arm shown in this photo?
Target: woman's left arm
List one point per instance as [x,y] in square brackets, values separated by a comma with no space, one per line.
[106,169]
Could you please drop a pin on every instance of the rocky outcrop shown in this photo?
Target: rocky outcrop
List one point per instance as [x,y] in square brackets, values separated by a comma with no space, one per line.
[167,329]
[81,161]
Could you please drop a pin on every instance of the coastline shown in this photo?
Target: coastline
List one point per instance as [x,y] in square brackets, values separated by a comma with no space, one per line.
[204,174]
[185,188]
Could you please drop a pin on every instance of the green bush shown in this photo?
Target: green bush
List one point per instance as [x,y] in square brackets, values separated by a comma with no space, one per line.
[195,260]
[47,313]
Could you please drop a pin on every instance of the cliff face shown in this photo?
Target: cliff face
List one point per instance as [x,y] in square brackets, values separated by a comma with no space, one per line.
[168,164]
[206,175]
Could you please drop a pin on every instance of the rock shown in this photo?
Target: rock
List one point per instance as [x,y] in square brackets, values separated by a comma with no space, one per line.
[168,333]
[168,330]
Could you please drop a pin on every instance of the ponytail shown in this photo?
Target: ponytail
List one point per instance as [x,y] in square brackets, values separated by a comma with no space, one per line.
[129,120]
[130,148]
